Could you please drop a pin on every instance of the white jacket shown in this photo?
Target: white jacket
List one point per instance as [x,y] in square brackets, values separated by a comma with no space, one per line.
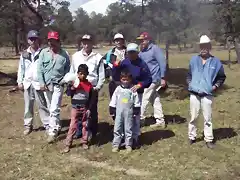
[27,69]
[95,65]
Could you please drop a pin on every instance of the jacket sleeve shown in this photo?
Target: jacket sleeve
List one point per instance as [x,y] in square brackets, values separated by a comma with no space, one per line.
[220,78]
[72,67]
[67,65]
[189,75]
[146,77]
[159,55]
[40,70]
[101,73]
[20,74]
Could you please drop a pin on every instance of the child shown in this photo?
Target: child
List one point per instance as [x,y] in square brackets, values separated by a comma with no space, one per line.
[81,102]
[125,105]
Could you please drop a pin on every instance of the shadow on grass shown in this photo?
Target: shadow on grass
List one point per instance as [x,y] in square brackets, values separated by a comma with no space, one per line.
[105,134]
[220,133]
[149,138]
[11,79]
[169,119]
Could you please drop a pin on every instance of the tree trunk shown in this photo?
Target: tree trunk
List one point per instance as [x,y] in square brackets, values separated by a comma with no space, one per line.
[237,48]
[15,36]
[167,54]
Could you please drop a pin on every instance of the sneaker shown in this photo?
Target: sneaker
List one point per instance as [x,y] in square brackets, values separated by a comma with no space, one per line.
[51,138]
[191,141]
[158,124]
[85,146]
[115,150]
[65,150]
[210,145]
[90,136]
[27,131]
[128,149]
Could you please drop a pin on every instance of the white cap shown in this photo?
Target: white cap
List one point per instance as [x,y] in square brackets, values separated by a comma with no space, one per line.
[118,36]
[204,39]
[132,47]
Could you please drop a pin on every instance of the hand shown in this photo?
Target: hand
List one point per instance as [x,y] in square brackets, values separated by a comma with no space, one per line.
[96,89]
[43,87]
[72,88]
[135,88]
[88,113]
[214,88]
[20,86]
[163,83]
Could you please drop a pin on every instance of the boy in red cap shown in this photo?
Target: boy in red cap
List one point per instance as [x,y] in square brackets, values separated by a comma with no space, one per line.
[53,64]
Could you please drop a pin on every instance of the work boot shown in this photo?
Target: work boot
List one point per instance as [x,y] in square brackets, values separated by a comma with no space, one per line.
[27,130]
[210,145]
[128,149]
[159,123]
[115,149]
[51,138]
[191,141]
[65,150]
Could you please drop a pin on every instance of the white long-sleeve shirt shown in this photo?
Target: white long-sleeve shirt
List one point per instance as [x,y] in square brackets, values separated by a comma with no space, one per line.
[27,69]
[95,65]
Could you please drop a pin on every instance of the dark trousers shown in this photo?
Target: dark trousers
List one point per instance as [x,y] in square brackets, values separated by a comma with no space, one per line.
[111,87]
[93,123]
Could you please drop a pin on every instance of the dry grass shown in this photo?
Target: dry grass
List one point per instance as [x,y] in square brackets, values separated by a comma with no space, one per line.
[165,154]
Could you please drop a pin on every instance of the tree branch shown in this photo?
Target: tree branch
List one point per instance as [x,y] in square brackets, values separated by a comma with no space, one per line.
[33,10]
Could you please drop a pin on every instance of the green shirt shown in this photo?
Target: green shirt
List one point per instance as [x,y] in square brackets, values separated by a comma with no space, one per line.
[52,68]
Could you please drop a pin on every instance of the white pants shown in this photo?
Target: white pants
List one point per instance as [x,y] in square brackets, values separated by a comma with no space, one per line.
[151,95]
[54,99]
[30,95]
[206,104]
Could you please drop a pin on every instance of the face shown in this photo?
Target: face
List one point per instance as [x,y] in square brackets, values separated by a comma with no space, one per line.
[119,43]
[132,55]
[143,43]
[82,76]
[53,43]
[126,81]
[205,49]
[33,42]
[87,45]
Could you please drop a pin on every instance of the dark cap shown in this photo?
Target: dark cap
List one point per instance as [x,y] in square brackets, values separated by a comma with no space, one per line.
[33,34]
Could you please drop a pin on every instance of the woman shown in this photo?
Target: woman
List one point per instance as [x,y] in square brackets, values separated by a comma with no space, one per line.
[141,78]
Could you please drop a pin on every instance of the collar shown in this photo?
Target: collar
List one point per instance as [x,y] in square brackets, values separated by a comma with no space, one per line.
[150,45]
[36,52]
[87,55]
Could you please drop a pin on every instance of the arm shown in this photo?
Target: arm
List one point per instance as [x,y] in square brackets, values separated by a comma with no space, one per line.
[159,55]
[72,68]
[137,105]
[113,103]
[220,78]
[189,74]
[67,64]
[101,74]
[20,74]
[146,77]
[40,70]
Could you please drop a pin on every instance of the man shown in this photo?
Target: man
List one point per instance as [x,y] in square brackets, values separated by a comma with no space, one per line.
[116,53]
[53,64]
[27,80]
[206,75]
[154,57]
[96,74]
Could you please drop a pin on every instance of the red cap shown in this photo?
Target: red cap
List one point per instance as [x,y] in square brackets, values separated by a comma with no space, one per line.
[144,35]
[53,35]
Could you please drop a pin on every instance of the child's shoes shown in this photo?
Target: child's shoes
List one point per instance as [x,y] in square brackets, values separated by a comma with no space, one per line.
[115,149]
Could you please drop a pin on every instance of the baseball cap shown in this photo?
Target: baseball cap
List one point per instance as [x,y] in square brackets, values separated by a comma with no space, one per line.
[87,37]
[143,36]
[33,34]
[118,36]
[53,35]
[132,47]
[204,39]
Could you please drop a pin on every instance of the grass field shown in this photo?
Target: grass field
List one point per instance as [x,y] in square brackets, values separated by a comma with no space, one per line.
[164,154]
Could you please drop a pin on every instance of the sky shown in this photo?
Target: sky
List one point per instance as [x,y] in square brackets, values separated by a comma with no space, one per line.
[99,6]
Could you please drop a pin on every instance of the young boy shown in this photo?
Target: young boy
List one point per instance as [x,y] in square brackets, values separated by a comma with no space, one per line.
[125,105]
[81,102]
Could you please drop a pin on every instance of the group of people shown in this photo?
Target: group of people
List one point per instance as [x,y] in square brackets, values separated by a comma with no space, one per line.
[136,73]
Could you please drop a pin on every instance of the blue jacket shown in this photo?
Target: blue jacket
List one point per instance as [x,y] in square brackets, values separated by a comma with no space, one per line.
[201,78]
[139,70]
[156,61]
